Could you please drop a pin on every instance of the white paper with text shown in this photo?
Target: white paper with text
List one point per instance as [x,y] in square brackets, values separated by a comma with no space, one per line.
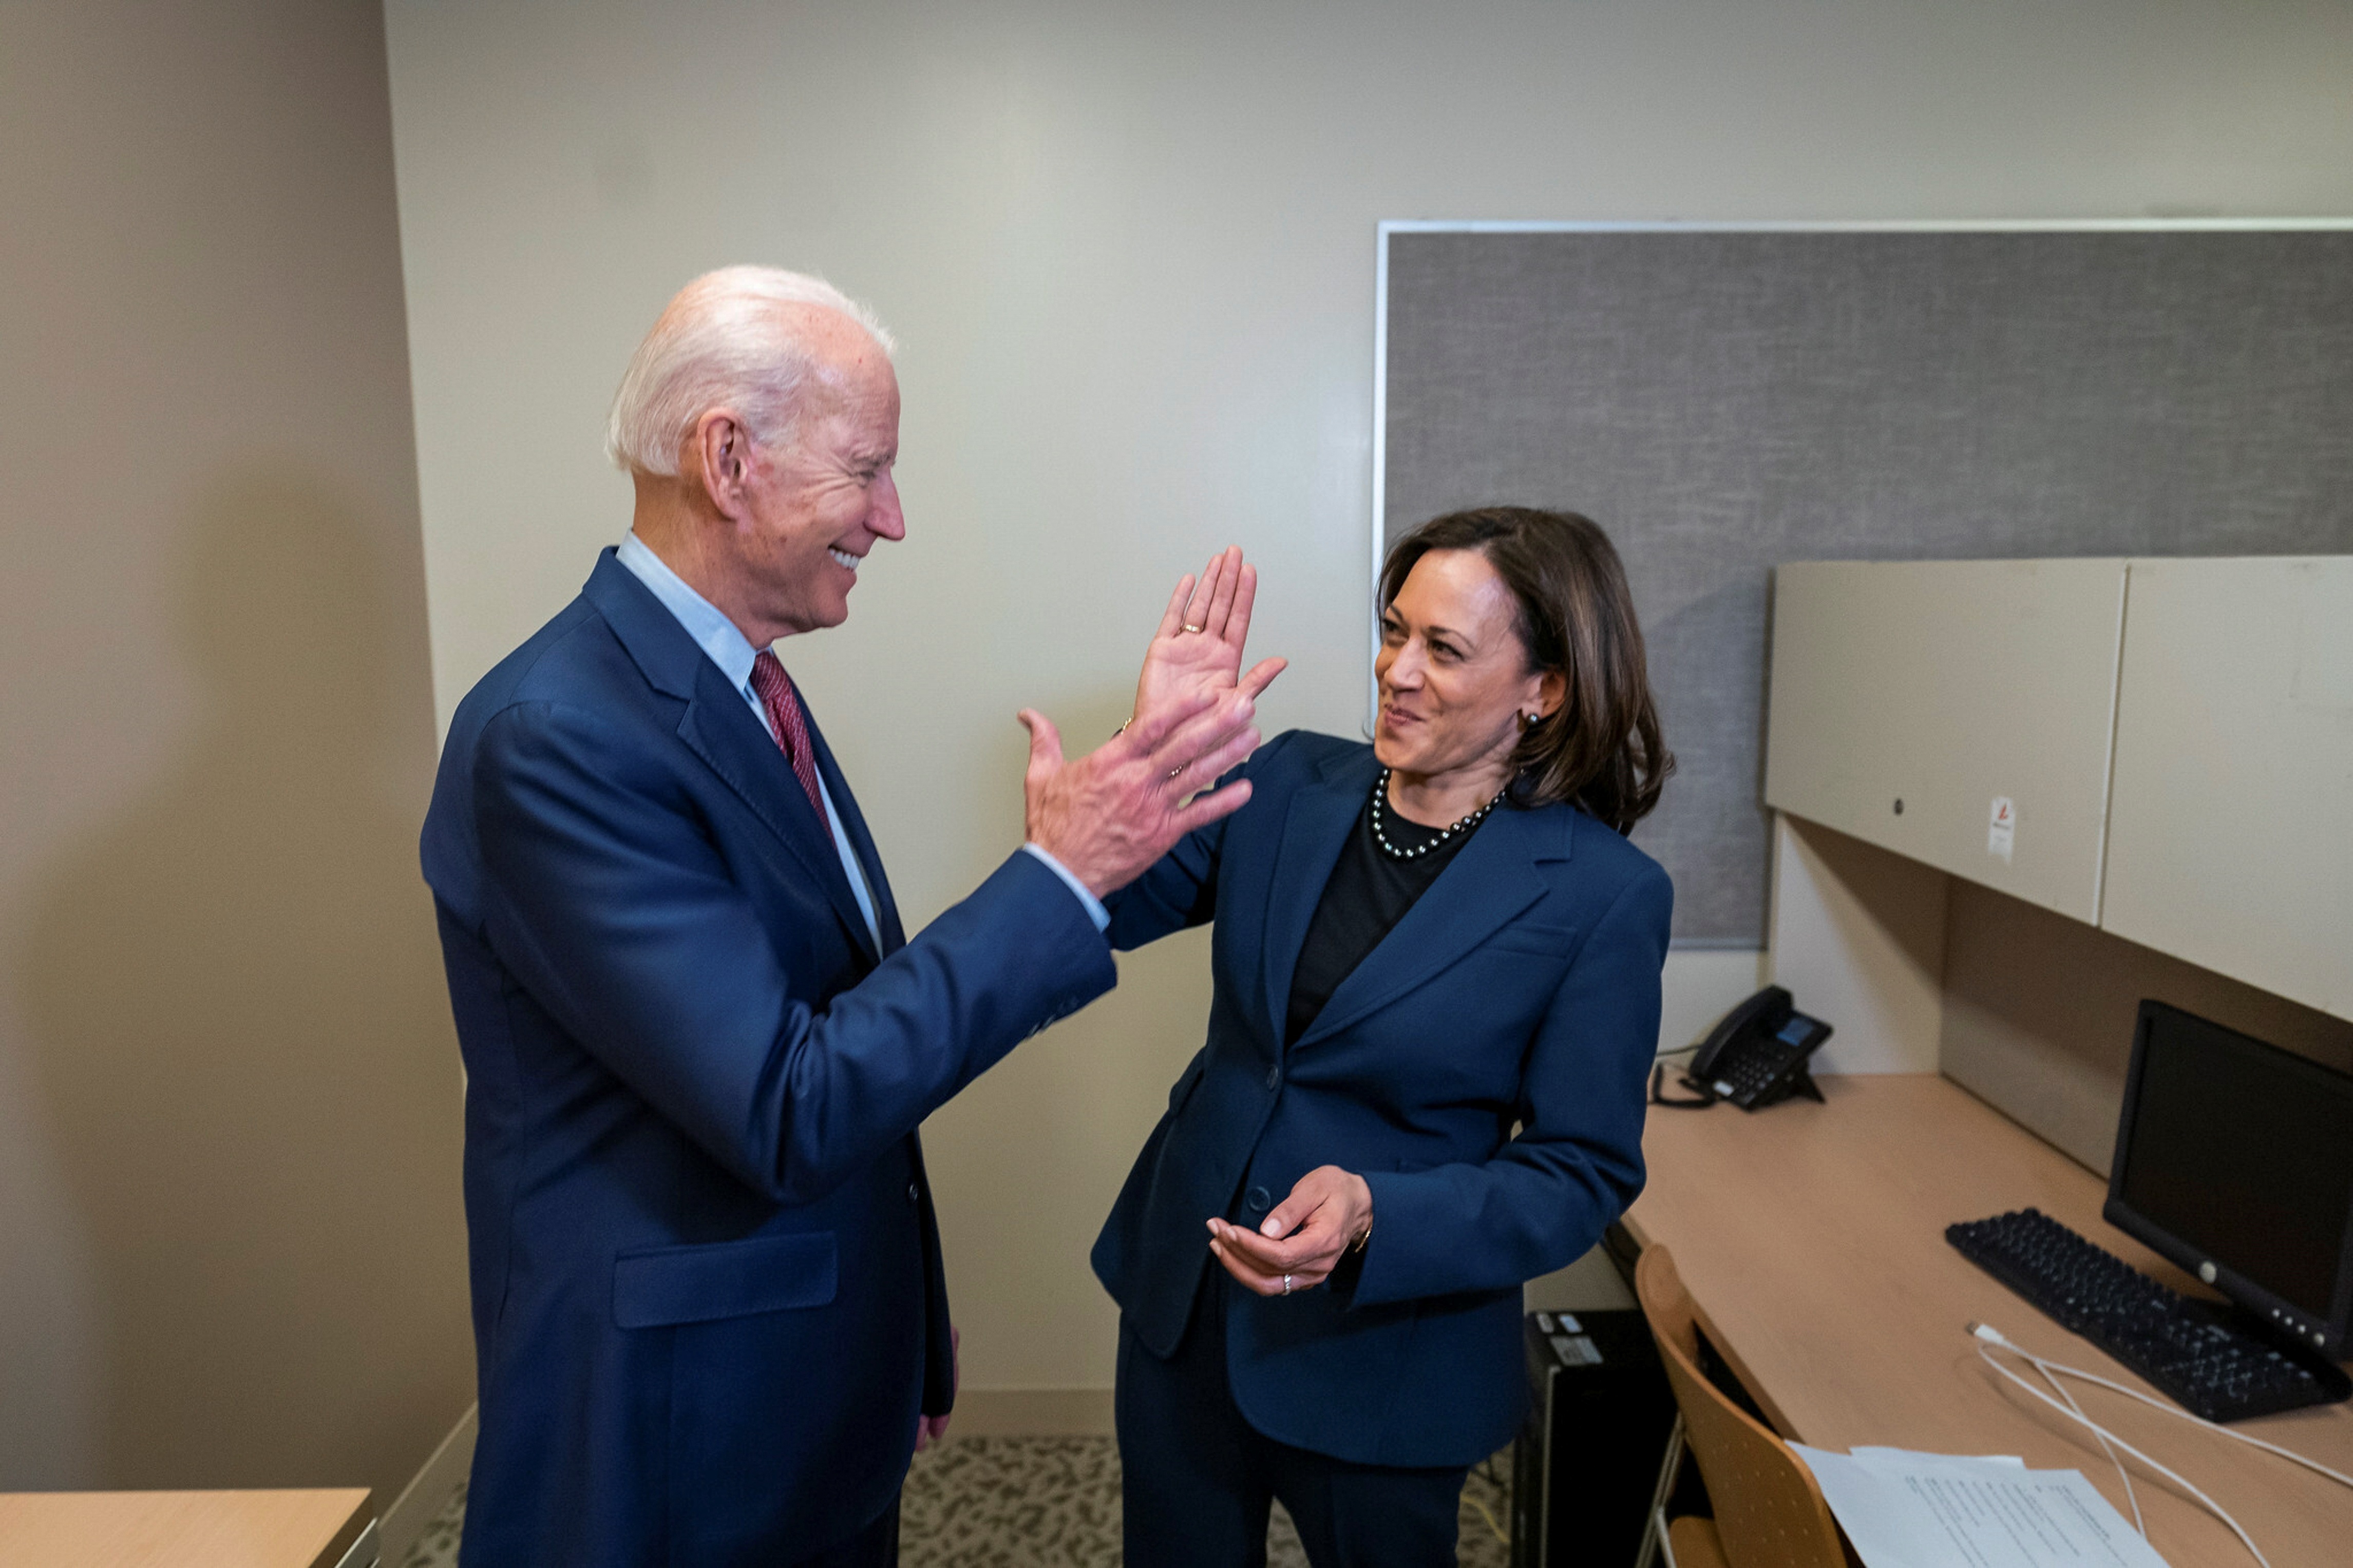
[1906,1509]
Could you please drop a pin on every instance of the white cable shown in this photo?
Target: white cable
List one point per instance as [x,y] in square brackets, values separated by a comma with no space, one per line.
[2339,1476]
[2186,1485]
[2059,1388]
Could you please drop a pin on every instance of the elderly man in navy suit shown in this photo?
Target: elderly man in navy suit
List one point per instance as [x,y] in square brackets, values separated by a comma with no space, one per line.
[708,1303]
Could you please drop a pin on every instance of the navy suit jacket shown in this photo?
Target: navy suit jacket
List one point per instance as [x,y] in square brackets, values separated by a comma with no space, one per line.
[1522,990]
[707,1291]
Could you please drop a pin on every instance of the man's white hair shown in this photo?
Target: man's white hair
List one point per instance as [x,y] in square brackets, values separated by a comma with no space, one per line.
[722,344]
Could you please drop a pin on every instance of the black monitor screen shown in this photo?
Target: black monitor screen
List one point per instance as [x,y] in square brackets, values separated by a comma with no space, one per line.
[2242,1150]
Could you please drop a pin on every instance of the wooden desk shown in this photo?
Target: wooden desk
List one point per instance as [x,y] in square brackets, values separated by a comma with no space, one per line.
[1812,1238]
[185,1530]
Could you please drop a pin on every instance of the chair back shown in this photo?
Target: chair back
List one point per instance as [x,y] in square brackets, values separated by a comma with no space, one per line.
[1770,1510]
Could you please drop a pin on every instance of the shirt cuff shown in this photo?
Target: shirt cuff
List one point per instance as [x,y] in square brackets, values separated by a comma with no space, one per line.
[1096,911]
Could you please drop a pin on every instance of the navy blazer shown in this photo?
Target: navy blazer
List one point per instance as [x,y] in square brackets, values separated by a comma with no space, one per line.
[1522,990]
[707,1291]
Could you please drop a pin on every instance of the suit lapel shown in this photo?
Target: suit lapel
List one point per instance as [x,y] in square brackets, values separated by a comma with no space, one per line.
[861,842]
[1488,884]
[1316,826]
[720,727]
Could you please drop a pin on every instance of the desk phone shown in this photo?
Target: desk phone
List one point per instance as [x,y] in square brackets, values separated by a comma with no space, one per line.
[1754,1057]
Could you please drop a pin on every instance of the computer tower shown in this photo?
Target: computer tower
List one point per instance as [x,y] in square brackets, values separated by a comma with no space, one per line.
[1586,1466]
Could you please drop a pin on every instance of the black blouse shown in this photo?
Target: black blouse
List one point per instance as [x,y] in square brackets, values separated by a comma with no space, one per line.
[1369,892]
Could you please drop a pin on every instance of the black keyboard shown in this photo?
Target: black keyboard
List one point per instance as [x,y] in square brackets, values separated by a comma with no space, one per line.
[2190,1350]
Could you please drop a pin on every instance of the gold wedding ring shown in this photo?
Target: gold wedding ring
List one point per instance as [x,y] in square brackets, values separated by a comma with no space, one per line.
[1191,627]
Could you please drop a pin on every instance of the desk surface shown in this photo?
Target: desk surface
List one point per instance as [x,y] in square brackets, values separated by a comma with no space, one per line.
[1812,1238]
[185,1530]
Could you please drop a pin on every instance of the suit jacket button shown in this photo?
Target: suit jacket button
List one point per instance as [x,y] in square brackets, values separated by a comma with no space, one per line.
[1258,1198]
[913,1197]
[1274,1078]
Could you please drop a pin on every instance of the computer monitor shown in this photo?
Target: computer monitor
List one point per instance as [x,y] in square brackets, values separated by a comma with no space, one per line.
[2234,1159]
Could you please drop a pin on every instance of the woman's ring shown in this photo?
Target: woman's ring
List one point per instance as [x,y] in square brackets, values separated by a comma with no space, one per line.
[1191,627]
[1286,1284]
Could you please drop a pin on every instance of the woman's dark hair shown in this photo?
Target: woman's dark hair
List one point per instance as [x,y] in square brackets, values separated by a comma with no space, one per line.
[1600,750]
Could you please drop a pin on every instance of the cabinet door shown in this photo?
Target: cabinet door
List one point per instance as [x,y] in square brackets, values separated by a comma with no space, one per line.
[2230,834]
[1912,700]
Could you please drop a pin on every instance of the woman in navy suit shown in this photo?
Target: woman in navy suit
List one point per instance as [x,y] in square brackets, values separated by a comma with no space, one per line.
[1437,996]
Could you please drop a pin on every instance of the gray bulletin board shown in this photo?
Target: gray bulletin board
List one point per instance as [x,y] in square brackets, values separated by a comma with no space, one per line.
[1722,399]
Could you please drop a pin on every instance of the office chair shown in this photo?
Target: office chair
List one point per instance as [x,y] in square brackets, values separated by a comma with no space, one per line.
[1770,1511]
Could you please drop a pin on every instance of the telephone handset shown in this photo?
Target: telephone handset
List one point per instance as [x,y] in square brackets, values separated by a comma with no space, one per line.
[1755,1056]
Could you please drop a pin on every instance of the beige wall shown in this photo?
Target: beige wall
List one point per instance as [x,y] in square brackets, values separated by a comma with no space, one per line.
[1130,251]
[231,1249]
[2038,1013]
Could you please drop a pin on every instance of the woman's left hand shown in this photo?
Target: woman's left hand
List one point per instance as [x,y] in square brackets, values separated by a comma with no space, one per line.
[1198,645]
[1329,1209]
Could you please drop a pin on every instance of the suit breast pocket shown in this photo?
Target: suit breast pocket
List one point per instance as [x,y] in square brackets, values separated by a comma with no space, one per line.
[1530,941]
[661,1286]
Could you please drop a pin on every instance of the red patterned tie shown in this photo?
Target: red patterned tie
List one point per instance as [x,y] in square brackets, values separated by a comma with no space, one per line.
[785,716]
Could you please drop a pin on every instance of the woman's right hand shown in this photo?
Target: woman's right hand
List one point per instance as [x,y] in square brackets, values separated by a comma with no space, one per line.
[1330,1209]
[1198,645]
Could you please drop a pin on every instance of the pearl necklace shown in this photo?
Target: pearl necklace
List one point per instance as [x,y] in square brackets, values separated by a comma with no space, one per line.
[1380,792]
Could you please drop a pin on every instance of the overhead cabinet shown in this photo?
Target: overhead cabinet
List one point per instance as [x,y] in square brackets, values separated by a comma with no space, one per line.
[2163,749]
[2231,829]
[1956,712]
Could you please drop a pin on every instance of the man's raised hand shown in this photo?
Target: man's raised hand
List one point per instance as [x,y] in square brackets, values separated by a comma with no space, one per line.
[1111,813]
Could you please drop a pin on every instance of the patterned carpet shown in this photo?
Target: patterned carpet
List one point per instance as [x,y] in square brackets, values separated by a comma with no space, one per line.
[437,1547]
[1040,1502]
[1053,1502]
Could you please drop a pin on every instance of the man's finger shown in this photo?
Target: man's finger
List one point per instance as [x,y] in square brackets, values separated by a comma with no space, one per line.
[1210,765]
[1045,741]
[1206,732]
[1148,730]
[1173,622]
[1206,771]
